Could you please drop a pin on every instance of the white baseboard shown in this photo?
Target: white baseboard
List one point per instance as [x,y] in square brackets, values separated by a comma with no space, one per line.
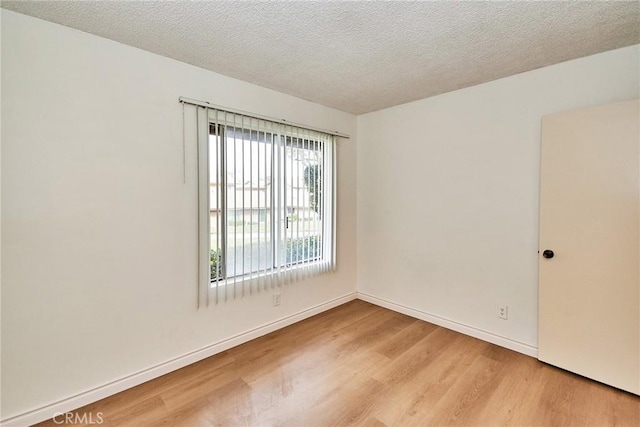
[93,395]
[455,326]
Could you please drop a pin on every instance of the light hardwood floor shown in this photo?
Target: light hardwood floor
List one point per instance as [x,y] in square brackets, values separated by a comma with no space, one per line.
[360,364]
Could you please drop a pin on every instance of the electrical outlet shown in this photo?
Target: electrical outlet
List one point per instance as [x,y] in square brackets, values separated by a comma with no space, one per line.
[276,299]
[503,312]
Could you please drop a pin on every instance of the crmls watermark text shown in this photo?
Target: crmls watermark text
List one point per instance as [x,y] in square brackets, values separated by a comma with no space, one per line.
[78,418]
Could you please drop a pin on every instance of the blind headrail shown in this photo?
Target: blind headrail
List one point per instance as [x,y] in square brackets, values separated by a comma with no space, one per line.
[207,104]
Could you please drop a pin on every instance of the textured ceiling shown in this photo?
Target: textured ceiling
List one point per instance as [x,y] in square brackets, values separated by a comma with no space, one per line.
[356,56]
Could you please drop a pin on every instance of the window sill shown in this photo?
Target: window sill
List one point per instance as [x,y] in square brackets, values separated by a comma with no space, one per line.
[248,277]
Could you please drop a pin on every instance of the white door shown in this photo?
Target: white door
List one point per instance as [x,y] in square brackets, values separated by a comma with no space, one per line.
[589,285]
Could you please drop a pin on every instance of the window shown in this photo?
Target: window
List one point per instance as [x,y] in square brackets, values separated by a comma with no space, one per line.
[266,200]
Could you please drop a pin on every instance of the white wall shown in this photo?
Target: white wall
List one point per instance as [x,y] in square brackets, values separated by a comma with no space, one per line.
[448,192]
[98,256]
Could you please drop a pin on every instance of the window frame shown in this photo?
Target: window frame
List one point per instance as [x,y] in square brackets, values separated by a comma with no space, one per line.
[280,140]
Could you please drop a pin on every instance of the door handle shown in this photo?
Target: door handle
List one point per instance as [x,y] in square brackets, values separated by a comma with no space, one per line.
[548,253]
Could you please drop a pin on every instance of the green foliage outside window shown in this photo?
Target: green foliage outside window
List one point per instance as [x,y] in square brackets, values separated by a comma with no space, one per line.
[215,257]
[297,250]
[311,175]
[302,249]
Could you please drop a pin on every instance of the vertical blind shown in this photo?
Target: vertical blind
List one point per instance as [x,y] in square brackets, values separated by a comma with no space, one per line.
[266,202]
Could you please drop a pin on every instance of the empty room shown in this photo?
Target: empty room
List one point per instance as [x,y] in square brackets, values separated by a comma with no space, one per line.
[320,213]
